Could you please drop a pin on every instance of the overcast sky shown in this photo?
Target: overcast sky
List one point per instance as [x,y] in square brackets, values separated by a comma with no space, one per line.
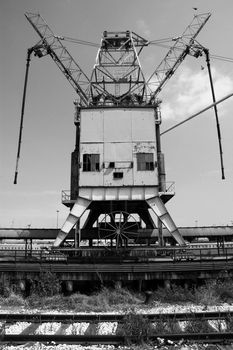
[191,151]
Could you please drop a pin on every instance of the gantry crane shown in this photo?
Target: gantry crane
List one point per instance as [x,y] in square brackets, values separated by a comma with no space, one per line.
[117,81]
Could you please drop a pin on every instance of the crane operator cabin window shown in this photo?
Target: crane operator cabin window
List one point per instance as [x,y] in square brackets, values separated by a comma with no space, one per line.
[91,162]
[145,161]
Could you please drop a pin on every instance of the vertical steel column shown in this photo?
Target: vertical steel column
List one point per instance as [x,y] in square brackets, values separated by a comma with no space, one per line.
[22,112]
[75,159]
[77,235]
[206,51]
[161,170]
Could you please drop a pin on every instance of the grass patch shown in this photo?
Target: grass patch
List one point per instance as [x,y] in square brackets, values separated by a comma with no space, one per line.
[198,326]
[45,284]
[165,326]
[102,301]
[213,292]
[207,295]
[175,294]
[229,323]
[120,297]
[45,295]
[135,328]
[13,300]
[224,290]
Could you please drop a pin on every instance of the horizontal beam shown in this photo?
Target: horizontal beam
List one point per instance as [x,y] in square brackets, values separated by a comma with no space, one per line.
[50,234]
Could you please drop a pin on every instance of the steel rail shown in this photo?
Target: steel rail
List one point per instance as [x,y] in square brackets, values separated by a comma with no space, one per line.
[215,337]
[180,316]
[58,338]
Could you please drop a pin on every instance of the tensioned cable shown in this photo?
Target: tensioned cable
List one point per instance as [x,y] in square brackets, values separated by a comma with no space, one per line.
[158,42]
[196,114]
[77,41]
[217,57]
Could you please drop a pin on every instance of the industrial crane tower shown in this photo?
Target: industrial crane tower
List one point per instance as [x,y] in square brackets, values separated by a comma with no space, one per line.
[117,169]
[118,179]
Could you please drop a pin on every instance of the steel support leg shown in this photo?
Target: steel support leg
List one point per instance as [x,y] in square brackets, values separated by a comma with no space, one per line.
[76,212]
[160,210]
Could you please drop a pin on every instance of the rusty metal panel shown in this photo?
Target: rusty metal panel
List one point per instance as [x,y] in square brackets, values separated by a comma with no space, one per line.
[147,177]
[144,147]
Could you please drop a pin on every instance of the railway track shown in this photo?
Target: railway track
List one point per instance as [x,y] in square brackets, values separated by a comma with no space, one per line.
[107,317]
[86,328]
[207,338]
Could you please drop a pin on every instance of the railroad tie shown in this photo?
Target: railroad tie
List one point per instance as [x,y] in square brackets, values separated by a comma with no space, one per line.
[92,328]
[77,328]
[62,329]
[31,329]
[120,328]
[101,328]
[107,328]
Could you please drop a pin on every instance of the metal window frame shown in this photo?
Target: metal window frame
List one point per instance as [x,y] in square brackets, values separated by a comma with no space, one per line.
[91,162]
[145,161]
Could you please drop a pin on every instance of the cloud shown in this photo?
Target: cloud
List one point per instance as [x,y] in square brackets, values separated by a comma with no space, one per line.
[143,28]
[189,92]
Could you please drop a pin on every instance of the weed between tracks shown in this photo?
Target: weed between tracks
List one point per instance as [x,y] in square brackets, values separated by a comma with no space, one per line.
[198,326]
[135,328]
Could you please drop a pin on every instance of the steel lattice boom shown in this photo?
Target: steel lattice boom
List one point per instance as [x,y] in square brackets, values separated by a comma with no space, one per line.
[50,44]
[184,45]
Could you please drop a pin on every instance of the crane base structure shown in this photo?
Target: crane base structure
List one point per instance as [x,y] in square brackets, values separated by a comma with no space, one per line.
[119,209]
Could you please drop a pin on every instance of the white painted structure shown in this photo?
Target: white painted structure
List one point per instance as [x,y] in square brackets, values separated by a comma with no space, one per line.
[118,162]
[118,137]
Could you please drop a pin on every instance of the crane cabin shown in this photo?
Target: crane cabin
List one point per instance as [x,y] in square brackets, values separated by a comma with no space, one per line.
[118,148]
